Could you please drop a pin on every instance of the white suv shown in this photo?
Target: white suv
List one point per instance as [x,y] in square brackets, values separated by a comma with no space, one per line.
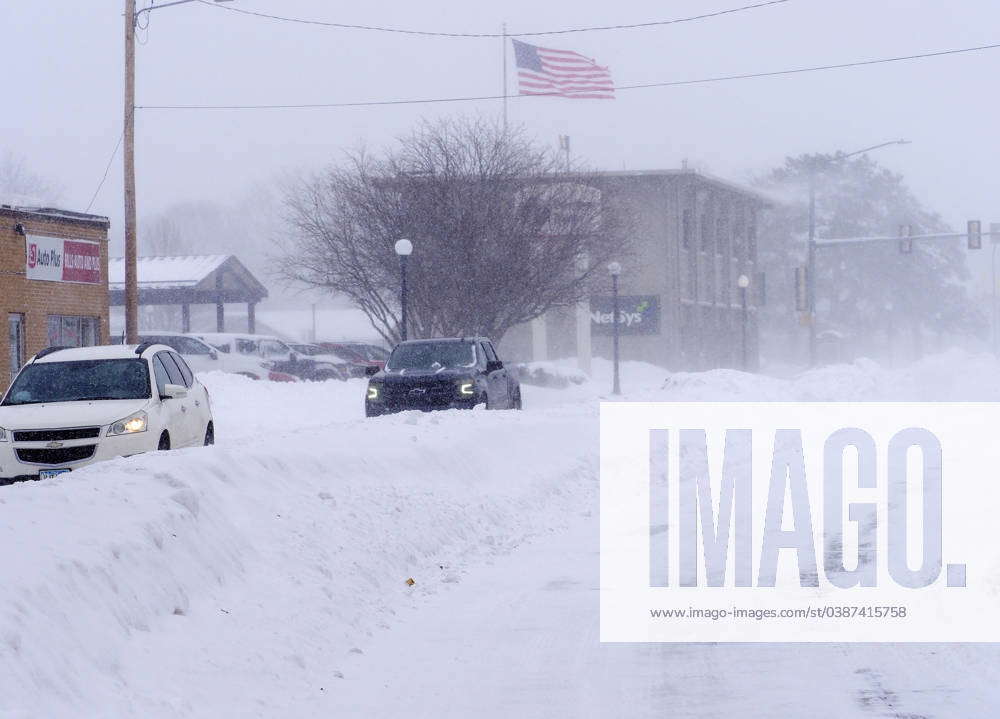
[70,407]
[202,357]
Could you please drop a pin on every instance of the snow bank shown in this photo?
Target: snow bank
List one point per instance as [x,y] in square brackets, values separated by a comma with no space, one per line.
[240,580]
[273,556]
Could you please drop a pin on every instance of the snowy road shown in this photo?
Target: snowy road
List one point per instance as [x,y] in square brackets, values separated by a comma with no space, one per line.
[266,576]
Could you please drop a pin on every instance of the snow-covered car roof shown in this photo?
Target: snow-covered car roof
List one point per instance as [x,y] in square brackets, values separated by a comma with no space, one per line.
[230,336]
[100,352]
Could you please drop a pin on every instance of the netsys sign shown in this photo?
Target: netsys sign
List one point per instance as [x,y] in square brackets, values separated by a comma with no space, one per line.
[54,259]
[637,314]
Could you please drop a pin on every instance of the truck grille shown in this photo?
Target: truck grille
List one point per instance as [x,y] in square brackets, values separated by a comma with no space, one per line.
[55,435]
[56,456]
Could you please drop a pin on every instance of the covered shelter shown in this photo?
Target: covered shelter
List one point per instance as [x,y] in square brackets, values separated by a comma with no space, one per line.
[187,280]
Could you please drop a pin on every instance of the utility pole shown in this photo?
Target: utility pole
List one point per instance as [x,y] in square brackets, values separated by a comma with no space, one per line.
[994,240]
[811,268]
[131,254]
[811,261]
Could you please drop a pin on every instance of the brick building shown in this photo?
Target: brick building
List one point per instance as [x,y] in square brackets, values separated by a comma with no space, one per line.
[53,281]
[680,305]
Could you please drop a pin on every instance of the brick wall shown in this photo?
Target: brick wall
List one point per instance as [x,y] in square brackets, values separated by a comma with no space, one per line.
[36,299]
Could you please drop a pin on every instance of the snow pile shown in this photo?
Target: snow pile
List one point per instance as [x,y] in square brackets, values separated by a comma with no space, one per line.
[549,374]
[284,552]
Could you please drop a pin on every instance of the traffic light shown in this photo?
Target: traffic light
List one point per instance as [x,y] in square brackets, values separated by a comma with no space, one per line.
[975,235]
[905,239]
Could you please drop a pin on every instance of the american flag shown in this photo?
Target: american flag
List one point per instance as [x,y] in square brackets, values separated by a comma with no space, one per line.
[562,73]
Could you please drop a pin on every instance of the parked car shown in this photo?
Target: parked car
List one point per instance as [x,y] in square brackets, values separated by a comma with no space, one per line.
[202,357]
[455,373]
[68,408]
[318,354]
[278,355]
[359,356]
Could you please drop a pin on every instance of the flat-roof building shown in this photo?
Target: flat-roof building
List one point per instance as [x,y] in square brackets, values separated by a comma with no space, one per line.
[680,305]
[53,281]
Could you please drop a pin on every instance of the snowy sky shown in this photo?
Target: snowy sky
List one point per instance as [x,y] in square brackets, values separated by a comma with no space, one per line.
[63,61]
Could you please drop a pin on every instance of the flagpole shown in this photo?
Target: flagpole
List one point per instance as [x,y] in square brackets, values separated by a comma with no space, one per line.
[504,41]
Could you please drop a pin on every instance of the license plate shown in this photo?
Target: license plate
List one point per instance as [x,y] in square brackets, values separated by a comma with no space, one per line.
[50,473]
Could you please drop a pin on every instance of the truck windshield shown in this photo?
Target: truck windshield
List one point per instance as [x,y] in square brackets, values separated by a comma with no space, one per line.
[81,381]
[432,355]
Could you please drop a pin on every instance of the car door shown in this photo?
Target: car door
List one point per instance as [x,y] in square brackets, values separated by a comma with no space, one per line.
[171,414]
[199,411]
[186,418]
[497,379]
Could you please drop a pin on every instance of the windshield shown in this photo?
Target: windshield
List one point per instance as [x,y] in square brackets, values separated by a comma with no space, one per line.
[432,355]
[80,381]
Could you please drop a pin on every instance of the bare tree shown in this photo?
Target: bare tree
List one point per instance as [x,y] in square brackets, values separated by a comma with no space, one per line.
[502,232]
[21,186]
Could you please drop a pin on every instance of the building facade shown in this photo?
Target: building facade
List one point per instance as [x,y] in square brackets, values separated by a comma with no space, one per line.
[680,305]
[53,281]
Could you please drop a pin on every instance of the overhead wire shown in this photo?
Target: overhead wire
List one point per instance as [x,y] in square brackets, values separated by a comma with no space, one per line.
[640,86]
[493,35]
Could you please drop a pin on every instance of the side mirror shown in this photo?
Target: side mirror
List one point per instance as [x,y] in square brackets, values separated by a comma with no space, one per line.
[371,370]
[174,391]
[292,357]
[494,365]
[214,355]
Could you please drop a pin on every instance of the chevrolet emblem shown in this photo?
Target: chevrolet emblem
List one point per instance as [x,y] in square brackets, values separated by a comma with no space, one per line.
[54,445]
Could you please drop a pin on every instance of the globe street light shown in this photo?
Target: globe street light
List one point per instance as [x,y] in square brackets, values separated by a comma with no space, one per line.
[743,282]
[404,248]
[615,269]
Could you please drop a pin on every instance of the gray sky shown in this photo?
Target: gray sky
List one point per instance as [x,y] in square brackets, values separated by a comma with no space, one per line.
[64,84]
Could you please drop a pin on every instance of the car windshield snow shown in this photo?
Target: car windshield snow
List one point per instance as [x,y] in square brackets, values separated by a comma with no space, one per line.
[80,381]
[432,356]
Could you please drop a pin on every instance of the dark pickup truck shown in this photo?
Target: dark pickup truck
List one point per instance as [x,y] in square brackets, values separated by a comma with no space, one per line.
[450,373]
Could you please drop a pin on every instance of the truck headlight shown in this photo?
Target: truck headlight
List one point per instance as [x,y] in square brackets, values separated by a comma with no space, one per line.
[373,392]
[467,388]
[132,424]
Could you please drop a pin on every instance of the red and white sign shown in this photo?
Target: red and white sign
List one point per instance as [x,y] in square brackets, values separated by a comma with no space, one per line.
[58,260]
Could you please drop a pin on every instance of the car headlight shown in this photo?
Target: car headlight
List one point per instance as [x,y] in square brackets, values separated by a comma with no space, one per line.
[373,392]
[130,425]
[467,387]
[3,435]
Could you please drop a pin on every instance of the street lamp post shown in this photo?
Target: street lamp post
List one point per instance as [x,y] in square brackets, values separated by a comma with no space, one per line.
[404,248]
[743,282]
[615,269]
[811,258]
[128,152]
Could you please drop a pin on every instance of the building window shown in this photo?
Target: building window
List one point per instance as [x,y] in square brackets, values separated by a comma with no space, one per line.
[752,238]
[721,236]
[71,331]
[15,333]
[706,232]
[686,229]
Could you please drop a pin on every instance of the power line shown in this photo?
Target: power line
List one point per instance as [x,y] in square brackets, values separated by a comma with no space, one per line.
[671,83]
[428,33]
[106,171]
